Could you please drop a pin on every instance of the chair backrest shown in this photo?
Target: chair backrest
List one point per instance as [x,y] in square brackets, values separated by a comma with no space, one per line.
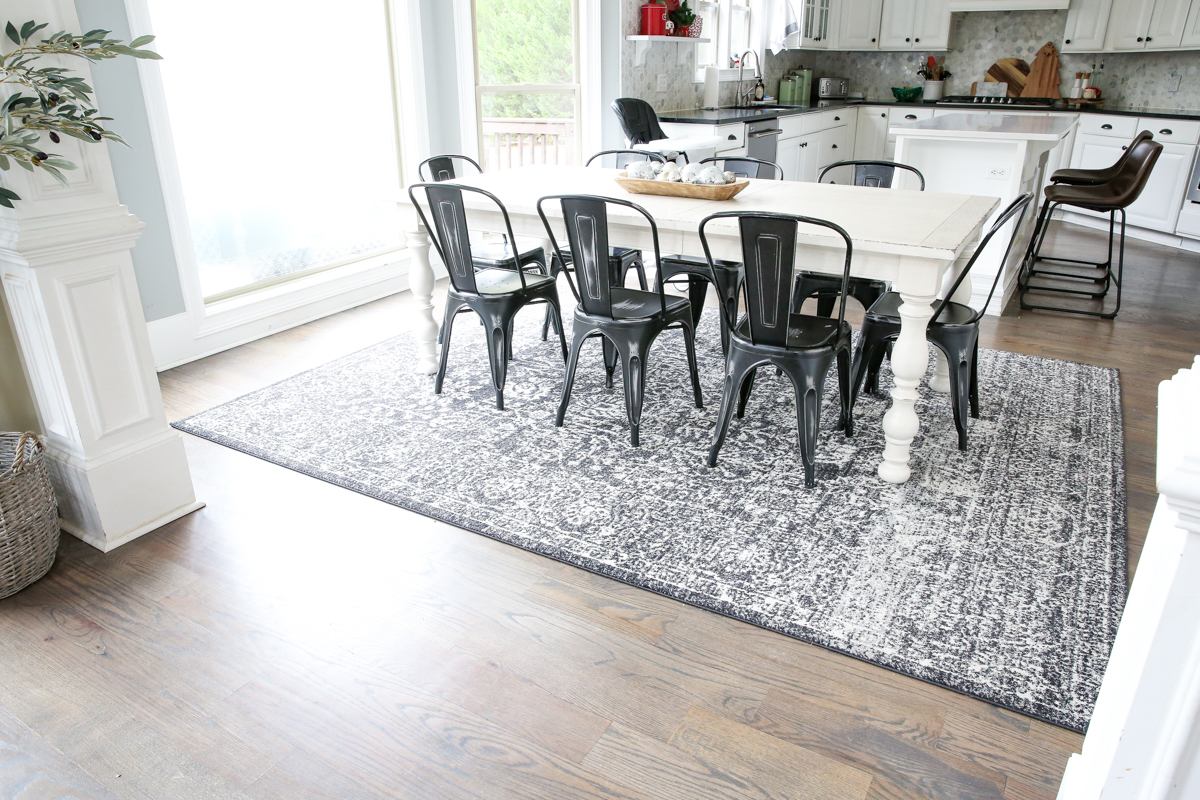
[627,157]
[1016,209]
[443,167]
[746,167]
[1107,173]
[873,173]
[448,233]
[586,220]
[1127,184]
[768,258]
[638,120]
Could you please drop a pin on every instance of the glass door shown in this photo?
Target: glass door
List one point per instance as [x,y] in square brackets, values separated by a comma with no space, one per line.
[527,82]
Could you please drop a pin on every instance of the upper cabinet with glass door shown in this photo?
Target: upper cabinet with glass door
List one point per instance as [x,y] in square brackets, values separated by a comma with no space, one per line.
[915,25]
[815,28]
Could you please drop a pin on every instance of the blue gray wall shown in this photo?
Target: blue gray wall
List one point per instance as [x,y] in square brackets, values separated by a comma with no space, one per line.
[119,95]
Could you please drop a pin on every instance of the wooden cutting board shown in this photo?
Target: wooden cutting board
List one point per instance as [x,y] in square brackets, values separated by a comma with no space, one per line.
[1012,71]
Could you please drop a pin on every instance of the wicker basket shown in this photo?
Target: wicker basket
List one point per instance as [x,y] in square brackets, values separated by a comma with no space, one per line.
[28,513]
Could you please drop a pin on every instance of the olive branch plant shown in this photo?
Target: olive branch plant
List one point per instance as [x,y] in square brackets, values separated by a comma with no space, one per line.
[58,103]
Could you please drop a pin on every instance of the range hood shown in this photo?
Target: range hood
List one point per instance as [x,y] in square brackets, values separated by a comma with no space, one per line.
[1007,5]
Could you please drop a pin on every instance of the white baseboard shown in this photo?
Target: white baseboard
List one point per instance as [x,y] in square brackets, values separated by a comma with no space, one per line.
[176,340]
[1131,231]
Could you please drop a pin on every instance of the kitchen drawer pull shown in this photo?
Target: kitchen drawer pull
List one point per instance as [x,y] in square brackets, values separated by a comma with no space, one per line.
[838,119]
[733,137]
[772,132]
[910,116]
[1166,131]
[804,144]
[835,147]
[1106,127]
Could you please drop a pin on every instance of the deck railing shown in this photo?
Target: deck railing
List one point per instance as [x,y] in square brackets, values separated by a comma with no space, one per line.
[517,142]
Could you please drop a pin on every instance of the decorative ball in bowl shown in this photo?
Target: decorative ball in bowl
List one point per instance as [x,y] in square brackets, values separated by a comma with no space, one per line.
[907,94]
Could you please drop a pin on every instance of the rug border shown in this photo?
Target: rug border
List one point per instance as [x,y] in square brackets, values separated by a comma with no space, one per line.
[1121,567]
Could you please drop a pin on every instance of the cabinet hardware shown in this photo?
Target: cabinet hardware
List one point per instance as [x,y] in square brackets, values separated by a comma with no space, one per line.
[1124,147]
[835,147]
[1139,38]
[1106,127]
[1066,41]
[910,116]
[838,119]
[1166,131]
[1149,38]
[772,132]
[872,40]
[909,40]
[733,137]
[918,38]
[883,115]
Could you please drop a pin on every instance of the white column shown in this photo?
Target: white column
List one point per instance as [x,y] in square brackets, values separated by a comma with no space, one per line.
[72,299]
[1144,739]
[420,281]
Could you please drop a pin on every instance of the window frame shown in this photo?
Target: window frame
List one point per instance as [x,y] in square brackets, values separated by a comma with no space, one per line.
[721,41]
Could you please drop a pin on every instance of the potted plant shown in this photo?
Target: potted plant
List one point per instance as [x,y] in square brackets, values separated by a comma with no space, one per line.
[935,73]
[60,103]
[683,17]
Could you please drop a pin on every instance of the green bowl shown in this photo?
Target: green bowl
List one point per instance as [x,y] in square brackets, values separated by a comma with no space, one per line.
[907,94]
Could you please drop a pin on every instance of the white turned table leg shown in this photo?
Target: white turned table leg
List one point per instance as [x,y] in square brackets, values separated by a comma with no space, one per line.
[420,281]
[940,382]
[910,358]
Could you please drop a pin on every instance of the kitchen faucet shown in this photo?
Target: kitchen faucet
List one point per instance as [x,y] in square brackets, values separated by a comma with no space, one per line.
[743,100]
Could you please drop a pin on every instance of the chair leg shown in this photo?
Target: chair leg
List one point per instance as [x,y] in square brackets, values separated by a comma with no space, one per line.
[633,373]
[697,291]
[555,268]
[564,400]
[958,346]
[689,342]
[610,361]
[498,348]
[808,380]
[555,313]
[641,273]
[734,375]
[975,381]
[846,421]
[447,327]
[744,393]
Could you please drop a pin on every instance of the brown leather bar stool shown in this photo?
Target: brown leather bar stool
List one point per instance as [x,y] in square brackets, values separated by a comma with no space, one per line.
[1112,196]
[1092,177]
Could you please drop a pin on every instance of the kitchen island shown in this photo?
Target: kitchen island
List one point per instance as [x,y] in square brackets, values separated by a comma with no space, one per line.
[1001,155]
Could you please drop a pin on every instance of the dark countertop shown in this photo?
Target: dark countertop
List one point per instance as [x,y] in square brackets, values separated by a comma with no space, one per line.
[700,116]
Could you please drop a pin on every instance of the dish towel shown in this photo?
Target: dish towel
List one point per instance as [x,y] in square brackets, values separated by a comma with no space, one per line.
[1043,77]
[782,20]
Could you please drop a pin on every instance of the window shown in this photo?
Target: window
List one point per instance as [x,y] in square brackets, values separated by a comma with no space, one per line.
[527,84]
[287,152]
[729,24]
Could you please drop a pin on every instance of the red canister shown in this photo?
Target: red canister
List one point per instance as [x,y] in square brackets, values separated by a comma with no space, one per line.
[654,19]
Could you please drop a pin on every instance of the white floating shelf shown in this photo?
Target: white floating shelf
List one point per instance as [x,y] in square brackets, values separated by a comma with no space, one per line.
[642,44]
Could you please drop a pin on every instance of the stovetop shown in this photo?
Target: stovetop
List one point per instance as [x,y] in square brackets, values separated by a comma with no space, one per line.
[993,102]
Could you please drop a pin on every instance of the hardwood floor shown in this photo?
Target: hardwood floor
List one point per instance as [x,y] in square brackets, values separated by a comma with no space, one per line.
[296,640]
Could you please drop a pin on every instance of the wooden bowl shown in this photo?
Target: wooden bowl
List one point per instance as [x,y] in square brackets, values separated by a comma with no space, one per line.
[694,190]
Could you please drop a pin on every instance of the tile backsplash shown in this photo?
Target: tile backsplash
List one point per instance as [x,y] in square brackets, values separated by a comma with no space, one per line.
[977,40]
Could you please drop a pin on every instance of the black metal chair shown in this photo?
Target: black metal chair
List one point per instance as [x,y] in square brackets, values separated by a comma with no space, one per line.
[954,329]
[488,255]
[877,174]
[621,259]
[725,276]
[627,320]
[1095,177]
[640,123]
[1128,178]
[496,295]
[746,167]
[626,157]
[802,347]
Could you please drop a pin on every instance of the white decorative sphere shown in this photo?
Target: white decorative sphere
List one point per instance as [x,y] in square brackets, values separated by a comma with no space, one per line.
[730,177]
[711,176]
[689,172]
[643,170]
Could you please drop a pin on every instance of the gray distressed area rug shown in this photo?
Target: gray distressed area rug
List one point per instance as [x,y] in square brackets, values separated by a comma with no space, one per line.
[999,572]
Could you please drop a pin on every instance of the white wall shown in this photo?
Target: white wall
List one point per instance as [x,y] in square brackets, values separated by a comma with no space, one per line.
[17,411]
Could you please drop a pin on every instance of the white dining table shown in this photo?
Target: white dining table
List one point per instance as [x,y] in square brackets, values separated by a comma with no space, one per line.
[919,241]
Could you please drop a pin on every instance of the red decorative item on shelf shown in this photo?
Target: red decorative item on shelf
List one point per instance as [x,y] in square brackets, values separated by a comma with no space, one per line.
[654,19]
[695,27]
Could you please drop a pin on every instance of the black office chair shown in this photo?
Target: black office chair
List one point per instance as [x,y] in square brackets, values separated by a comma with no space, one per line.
[640,123]
[621,259]
[802,347]
[954,329]
[496,295]
[746,167]
[488,255]
[876,174]
[627,320]
[724,275]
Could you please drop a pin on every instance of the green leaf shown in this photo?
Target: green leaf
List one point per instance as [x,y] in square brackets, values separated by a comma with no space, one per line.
[141,40]
[26,165]
[27,29]
[150,54]
[58,176]
[4,201]
[9,193]
[3,165]
[12,33]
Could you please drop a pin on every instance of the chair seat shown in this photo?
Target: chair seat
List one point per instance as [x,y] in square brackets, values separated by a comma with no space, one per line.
[636,304]
[700,263]
[1082,177]
[888,308]
[805,332]
[506,281]
[613,252]
[1102,197]
[498,254]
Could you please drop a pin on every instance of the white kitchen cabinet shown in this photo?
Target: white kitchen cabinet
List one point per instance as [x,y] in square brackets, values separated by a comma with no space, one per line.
[1087,23]
[870,138]
[1147,24]
[833,144]
[798,158]
[902,113]
[817,24]
[914,25]
[1191,30]
[1158,207]
[856,24]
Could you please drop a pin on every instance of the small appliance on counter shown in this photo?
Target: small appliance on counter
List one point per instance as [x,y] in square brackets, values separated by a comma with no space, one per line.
[833,88]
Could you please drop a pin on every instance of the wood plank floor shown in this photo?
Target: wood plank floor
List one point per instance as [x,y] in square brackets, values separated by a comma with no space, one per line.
[295,640]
